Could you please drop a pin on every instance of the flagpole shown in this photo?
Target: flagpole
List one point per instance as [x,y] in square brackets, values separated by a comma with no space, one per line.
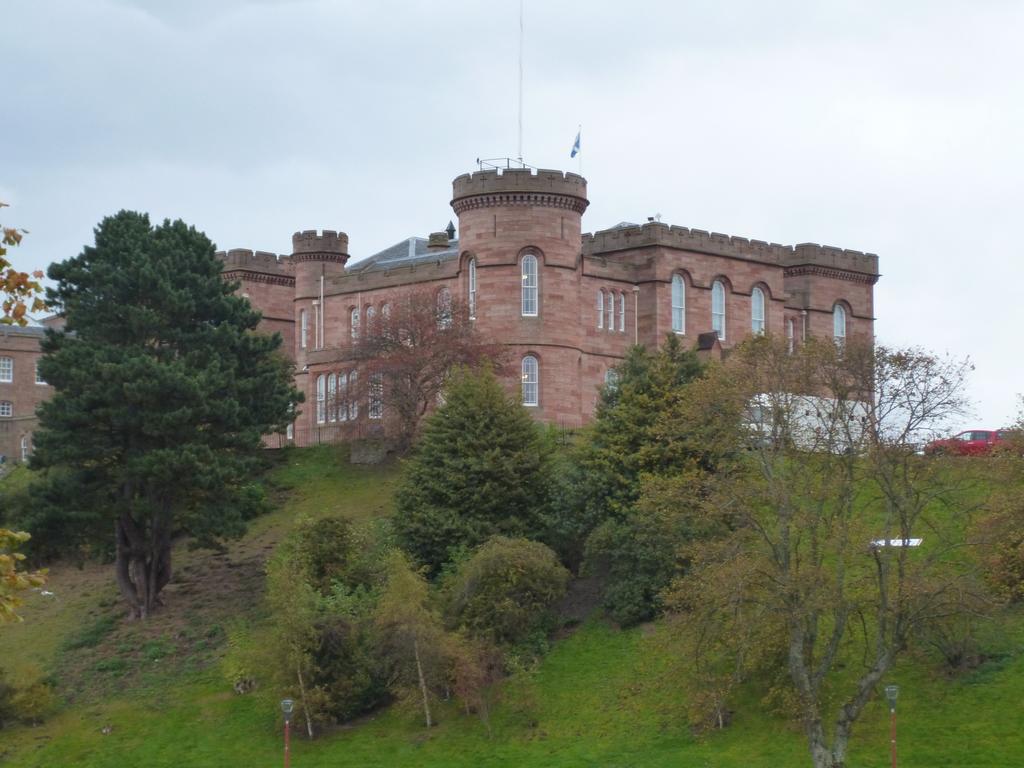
[579,132]
[520,81]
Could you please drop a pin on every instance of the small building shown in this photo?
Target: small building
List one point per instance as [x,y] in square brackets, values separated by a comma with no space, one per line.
[21,389]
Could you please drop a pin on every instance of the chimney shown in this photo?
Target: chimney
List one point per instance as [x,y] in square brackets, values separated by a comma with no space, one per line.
[438,241]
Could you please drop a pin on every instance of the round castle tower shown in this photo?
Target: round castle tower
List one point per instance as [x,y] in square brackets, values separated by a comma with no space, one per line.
[315,255]
[506,217]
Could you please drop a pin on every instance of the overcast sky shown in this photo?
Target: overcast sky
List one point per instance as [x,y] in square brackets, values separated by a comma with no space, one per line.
[890,127]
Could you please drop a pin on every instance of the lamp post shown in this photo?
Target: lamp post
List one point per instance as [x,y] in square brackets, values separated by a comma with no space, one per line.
[287,707]
[891,692]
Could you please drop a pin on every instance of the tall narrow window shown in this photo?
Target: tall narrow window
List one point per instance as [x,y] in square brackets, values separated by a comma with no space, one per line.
[471,268]
[622,312]
[26,447]
[354,315]
[600,309]
[531,377]
[757,311]
[678,304]
[353,397]
[371,315]
[39,378]
[790,336]
[718,308]
[343,395]
[6,409]
[609,310]
[6,369]
[303,328]
[529,276]
[321,399]
[332,397]
[839,323]
[444,308]
[385,311]
[376,396]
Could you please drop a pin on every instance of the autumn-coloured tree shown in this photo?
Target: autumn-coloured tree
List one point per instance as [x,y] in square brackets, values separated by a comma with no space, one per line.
[794,576]
[12,578]
[411,350]
[20,291]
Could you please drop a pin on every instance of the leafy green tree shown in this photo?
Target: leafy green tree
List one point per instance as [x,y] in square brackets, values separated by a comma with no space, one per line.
[13,578]
[481,468]
[506,589]
[162,391]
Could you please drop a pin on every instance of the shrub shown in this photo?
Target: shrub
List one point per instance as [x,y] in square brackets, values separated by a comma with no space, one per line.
[29,698]
[505,591]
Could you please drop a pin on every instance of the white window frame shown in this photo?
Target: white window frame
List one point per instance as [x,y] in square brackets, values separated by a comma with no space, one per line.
[354,323]
[839,323]
[531,381]
[342,404]
[790,335]
[678,304]
[371,315]
[6,409]
[39,379]
[26,447]
[757,323]
[321,399]
[609,311]
[376,396]
[718,308]
[600,309]
[471,269]
[528,270]
[303,328]
[353,396]
[6,370]
[622,312]
[332,397]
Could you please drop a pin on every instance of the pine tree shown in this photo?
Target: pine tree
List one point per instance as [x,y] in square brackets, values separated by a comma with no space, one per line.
[162,393]
[481,468]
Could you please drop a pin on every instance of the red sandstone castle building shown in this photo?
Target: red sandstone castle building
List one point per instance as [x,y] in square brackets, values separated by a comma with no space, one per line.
[566,304]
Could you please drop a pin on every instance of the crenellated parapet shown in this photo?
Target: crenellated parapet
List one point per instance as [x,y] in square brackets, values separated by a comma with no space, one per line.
[836,262]
[257,266]
[519,186]
[313,245]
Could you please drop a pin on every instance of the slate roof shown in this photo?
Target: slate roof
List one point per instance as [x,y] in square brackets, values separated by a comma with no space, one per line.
[405,253]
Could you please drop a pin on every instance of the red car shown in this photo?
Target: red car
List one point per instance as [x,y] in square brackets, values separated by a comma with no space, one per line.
[973,442]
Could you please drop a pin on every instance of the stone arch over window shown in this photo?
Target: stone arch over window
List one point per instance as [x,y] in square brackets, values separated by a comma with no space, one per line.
[758,310]
[354,323]
[840,321]
[609,310]
[600,308]
[529,273]
[719,306]
[622,312]
[371,316]
[531,380]
[678,303]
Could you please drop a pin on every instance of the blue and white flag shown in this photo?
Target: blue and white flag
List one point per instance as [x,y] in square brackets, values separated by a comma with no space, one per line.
[576,145]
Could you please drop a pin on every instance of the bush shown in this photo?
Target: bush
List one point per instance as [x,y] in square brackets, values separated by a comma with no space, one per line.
[29,698]
[481,469]
[505,591]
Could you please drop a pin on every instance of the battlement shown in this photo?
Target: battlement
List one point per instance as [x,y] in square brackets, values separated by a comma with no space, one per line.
[260,261]
[658,234]
[519,185]
[311,241]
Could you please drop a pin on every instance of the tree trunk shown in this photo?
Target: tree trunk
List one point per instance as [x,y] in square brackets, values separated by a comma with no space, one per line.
[423,682]
[142,564]
[305,705]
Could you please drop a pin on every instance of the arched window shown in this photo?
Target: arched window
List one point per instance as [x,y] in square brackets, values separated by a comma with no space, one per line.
[790,336]
[303,328]
[354,315]
[609,311]
[321,399]
[376,396]
[529,276]
[678,304]
[385,311]
[444,308]
[531,378]
[342,397]
[839,323]
[757,311]
[600,308]
[622,312]
[471,268]
[718,308]
[26,447]
[6,369]
[353,397]
[332,398]
[371,315]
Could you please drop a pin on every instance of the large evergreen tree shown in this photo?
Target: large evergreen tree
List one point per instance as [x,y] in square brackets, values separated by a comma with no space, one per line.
[162,392]
[481,468]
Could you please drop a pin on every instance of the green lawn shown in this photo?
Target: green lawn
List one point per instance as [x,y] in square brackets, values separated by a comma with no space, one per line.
[602,697]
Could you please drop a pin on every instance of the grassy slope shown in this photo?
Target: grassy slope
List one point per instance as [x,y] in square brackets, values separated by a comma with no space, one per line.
[601,698]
